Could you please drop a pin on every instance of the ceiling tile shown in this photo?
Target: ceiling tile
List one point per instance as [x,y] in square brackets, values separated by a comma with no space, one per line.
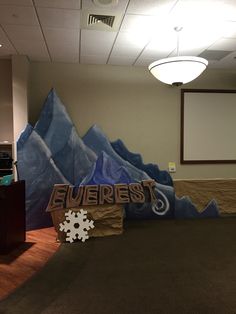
[63,18]
[59,4]
[140,25]
[155,53]
[17,2]
[36,51]
[210,13]
[127,44]
[67,36]
[93,59]
[186,13]
[145,35]
[161,46]
[229,61]
[18,15]
[145,61]
[120,7]
[212,63]
[143,58]
[230,10]
[63,44]
[225,44]
[191,41]
[150,7]
[187,52]
[196,40]
[22,35]
[229,30]
[64,54]
[214,54]
[22,32]
[96,42]
[7,48]
[152,53]
[121,60]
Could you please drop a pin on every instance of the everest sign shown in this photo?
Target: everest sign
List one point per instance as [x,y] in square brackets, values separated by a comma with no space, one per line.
[66,196]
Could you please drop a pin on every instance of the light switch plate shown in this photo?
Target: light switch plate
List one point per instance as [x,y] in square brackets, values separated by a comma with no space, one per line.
[172,166]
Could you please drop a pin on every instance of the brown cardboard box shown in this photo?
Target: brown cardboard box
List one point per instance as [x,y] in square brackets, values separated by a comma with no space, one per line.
[108,220]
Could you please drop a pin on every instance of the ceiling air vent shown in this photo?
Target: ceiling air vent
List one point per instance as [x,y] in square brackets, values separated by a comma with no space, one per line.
[215,55]
[104,19]
[100,20]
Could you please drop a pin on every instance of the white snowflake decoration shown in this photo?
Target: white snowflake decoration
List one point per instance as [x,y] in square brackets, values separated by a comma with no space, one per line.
[76,225]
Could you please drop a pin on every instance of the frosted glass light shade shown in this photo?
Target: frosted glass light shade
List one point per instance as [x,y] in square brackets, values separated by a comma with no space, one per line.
[178,70]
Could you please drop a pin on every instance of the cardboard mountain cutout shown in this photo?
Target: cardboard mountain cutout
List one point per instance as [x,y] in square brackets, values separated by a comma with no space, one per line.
[106,171]
[36,167]
[184,208]
[97,141]
[52,153]
[69,152]
[136,160]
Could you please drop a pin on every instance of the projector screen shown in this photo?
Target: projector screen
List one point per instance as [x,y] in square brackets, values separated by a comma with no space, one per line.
[208,126]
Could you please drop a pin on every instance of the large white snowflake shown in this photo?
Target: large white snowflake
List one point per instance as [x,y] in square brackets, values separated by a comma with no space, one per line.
[76,225]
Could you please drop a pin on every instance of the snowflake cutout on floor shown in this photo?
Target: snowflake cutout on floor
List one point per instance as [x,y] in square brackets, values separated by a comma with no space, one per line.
[76,225]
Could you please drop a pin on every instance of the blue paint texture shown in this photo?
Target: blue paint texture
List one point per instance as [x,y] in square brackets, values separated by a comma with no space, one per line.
[161,176]
[106,171]
[37,168]
[69,152]
[184,208]
[98,142]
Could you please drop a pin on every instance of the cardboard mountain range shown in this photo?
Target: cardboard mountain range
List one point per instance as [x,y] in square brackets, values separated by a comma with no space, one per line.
[53,153]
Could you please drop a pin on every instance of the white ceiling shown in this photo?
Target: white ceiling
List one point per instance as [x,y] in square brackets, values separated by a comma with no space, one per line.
[57,30]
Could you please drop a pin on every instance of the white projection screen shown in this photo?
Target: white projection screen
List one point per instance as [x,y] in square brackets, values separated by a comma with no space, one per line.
[208,126]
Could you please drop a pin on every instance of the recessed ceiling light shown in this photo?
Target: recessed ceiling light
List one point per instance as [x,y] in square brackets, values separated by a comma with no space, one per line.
[0,45]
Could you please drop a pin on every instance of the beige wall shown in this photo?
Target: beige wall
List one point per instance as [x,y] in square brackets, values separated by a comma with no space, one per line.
[6,112]
[128,103]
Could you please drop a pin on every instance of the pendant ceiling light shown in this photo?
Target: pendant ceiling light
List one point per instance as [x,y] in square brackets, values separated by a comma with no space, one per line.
[178,70]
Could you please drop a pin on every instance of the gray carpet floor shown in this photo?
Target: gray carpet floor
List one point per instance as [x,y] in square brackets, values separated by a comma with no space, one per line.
[168,266]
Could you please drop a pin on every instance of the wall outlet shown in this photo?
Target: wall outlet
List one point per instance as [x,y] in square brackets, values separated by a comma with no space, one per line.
[172,166]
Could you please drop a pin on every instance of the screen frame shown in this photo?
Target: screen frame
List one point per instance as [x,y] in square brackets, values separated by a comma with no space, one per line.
[183,159]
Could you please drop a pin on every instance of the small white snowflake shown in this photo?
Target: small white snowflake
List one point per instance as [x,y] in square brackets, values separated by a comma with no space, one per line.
[76,225]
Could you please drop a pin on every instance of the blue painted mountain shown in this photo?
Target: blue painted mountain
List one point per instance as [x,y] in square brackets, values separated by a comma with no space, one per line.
[25,134]
[98,142]
[69,152]
[184,208]
[36,167]
[106,171]
[163,208]
[52,152]
[161,176]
